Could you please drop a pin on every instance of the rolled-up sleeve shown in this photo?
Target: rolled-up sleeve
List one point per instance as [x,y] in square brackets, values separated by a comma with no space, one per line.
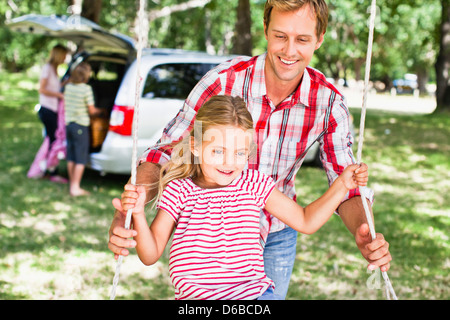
[336,151]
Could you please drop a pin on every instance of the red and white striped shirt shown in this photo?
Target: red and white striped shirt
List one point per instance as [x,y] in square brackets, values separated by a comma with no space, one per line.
[216,253]
[315,111]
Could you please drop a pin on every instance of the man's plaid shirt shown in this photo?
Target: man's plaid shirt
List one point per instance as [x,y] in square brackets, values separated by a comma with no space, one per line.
[315,111]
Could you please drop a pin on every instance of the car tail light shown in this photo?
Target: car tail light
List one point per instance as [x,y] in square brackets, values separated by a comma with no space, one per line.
[121,121]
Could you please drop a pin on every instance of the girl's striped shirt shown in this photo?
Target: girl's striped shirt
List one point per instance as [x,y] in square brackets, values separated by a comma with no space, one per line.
[216,253]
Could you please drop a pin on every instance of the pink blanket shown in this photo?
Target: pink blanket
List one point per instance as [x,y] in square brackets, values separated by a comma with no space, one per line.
[48,157]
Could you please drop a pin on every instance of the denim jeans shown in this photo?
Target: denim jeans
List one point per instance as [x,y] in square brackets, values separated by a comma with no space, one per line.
[279,257]
[269,295]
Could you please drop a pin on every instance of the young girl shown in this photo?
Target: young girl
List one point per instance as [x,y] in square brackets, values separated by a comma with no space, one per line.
[213,202]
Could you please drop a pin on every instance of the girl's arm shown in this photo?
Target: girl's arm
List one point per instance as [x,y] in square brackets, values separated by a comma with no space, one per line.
[150,241]
[309,219]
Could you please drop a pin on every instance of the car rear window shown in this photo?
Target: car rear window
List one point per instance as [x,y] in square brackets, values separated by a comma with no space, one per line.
[174,81]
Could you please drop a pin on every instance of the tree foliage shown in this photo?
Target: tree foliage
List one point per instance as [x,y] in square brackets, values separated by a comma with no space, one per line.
[407,37]
[443,61]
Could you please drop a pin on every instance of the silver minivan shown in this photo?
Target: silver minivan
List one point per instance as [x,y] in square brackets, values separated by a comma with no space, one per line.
[168,75]
[168,78]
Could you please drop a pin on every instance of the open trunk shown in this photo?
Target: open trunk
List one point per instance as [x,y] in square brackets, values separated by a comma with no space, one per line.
[107,74]
[108,54]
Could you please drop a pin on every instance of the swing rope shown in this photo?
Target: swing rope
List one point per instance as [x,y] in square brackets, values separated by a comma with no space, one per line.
[389,289]
[140,45]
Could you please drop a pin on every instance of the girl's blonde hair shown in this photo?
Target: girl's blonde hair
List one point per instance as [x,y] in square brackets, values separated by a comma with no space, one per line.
[219,110]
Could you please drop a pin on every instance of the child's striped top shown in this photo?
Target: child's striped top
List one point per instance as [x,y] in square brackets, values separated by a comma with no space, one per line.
[216,252]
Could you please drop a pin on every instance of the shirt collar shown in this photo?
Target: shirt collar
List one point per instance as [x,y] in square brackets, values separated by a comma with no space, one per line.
[302,93]
[258,87]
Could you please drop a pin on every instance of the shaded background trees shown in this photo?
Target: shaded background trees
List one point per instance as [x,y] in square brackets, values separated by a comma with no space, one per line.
[411,37]
[443,60]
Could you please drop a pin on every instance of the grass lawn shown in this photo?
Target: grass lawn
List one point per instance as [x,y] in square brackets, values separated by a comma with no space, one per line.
[55,247]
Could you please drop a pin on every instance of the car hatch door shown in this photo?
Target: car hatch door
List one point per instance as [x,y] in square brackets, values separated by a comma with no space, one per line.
[86,34]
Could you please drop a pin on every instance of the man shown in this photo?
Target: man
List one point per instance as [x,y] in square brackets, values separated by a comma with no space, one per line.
[292,106]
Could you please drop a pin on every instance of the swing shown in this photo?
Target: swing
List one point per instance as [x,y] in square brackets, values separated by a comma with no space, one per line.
[390,293]
[140,43]
[373,13]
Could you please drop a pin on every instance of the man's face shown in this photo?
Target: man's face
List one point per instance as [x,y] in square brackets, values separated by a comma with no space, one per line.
[291,42]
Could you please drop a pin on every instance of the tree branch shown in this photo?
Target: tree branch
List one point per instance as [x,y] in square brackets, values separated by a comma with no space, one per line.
[167,11]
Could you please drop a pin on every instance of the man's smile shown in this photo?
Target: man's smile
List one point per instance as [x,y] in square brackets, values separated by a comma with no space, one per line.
[288,62]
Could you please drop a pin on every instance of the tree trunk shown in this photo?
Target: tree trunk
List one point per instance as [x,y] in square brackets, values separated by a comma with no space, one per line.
[243,43]
[443,61]
[422,80]
[359,63]
[91,10]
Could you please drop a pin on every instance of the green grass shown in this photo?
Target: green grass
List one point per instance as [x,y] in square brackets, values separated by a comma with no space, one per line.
[53,246]
[408,158]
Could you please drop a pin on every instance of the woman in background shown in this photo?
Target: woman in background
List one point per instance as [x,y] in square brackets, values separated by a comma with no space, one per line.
[50,97]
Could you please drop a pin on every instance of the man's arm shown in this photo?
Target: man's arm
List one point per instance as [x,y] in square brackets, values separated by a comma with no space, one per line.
[352,213]
[337,154]
[376,252]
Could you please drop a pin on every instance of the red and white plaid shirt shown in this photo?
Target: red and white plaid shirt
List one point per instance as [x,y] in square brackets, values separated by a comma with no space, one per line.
[315,111]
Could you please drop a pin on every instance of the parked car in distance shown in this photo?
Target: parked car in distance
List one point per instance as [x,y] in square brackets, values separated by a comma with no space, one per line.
[406,85]
[168,76]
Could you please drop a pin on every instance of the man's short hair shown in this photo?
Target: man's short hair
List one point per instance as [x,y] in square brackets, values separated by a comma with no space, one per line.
[319,6]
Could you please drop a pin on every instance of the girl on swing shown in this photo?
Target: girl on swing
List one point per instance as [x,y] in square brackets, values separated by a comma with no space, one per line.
[213,202]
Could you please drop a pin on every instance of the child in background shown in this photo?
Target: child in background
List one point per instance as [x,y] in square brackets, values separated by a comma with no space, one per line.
[214,204]
[79,105]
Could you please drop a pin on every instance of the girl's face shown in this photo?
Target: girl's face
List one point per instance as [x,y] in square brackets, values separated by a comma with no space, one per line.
[223,155]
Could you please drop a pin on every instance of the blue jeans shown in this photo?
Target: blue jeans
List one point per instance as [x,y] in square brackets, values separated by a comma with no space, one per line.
[269,295]
[78,140]
[279,257]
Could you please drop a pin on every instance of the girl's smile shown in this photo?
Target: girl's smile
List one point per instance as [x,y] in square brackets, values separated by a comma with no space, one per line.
[222,155]
[227,173]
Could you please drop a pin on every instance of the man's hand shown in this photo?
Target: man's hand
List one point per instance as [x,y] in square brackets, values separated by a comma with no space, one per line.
[147,174]
[118,235]
[376,252]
